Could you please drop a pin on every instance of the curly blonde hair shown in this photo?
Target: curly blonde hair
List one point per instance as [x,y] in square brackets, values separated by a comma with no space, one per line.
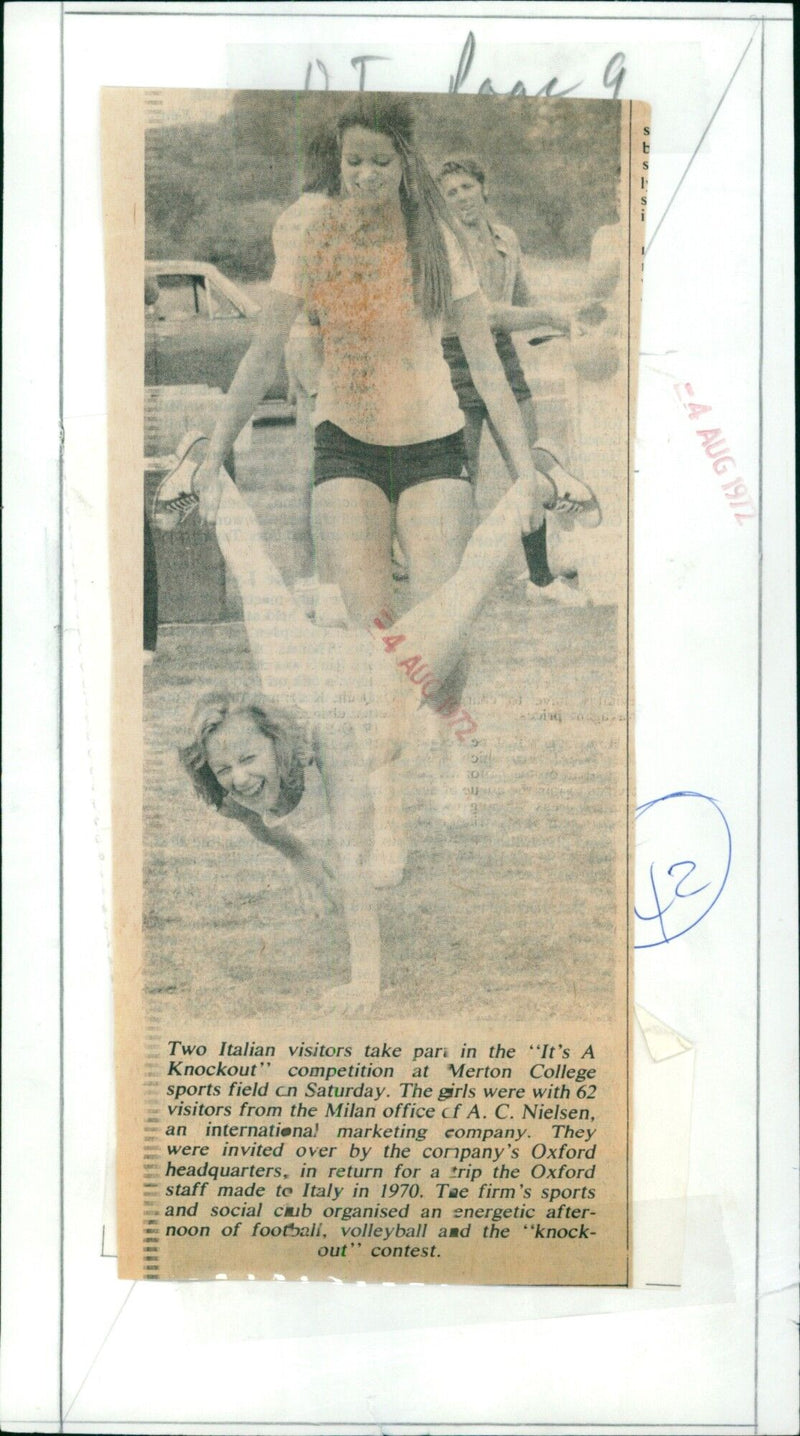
[293,749]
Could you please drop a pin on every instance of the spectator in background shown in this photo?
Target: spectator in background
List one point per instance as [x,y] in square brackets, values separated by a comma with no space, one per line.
[497,258]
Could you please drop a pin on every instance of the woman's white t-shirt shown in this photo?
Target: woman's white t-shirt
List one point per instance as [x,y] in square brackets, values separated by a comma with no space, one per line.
[384,379]
[288,234]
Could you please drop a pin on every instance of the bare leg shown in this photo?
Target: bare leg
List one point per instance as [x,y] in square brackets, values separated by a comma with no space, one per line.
[425,646]
[544,462]
[303,355]
[352,523]
[438,627]
[278,632]
[302,541]
[434,522]
[352,520]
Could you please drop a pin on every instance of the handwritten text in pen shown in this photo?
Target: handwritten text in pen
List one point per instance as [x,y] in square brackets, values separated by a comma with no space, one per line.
[683,858]
[319,75]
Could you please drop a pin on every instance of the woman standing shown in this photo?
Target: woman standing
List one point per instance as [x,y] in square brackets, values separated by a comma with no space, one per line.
[380,270]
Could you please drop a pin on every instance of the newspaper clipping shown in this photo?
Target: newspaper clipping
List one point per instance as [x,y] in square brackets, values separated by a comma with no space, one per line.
[372,365]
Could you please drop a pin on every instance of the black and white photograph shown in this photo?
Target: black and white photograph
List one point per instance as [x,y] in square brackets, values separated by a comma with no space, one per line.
[388,413]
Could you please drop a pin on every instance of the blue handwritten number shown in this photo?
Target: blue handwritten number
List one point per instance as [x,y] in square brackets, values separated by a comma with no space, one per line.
[661,909]
[692,868]
[659,912]
[681,872]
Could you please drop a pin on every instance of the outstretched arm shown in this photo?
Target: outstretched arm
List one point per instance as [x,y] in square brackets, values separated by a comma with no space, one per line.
[312,878]
[527,310]
[345,779]
[252,379]
[512,317]
[472,327]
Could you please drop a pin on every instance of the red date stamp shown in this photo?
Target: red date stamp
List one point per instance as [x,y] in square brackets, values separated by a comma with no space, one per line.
[419,673]
[719,456]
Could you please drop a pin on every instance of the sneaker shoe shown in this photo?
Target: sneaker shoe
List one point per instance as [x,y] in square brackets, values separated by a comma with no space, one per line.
[573,500]
[548,554]
[175,498]
[565,592]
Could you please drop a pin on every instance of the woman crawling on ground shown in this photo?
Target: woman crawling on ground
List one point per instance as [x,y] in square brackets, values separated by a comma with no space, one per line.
[338,700]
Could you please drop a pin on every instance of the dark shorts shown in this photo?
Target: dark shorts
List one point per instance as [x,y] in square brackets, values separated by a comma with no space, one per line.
[394,468]
[468,396]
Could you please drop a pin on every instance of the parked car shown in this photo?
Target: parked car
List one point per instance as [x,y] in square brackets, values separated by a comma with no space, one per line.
[198,325]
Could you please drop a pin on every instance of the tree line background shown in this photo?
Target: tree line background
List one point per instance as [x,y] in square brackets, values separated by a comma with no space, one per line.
[214,190]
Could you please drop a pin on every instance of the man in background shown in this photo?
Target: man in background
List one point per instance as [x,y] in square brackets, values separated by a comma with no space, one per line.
[497,257]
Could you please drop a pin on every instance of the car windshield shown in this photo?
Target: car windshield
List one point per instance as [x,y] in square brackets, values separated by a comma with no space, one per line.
[181,296]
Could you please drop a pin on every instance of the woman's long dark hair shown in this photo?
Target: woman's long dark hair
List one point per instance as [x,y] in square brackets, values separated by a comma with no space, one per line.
[424,209]
[321,166]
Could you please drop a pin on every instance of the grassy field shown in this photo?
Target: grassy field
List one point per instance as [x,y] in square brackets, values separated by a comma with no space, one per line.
[509,914]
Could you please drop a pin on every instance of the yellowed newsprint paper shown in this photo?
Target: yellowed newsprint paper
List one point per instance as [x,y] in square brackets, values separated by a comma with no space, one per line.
[372,365]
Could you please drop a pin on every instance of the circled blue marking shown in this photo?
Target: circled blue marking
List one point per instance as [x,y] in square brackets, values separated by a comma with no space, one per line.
[684,849]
